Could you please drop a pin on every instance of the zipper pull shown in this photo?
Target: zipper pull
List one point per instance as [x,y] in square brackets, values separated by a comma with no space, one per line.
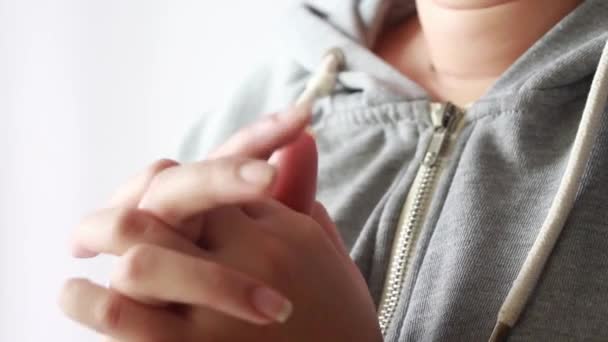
[448,122]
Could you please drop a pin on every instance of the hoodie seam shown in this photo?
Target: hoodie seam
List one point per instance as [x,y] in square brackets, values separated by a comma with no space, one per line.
[366,120]
[371,123]
[495,115]
[366,116]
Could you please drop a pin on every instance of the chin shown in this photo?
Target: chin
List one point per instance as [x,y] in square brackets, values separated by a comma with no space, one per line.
[468,4]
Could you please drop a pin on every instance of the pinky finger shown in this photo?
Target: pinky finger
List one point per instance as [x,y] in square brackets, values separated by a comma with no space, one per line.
[116,316]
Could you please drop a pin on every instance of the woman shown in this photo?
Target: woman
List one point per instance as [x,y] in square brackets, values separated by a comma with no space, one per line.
[455,162]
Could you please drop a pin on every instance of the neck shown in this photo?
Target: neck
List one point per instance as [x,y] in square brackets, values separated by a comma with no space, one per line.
[480,39]
[457,49]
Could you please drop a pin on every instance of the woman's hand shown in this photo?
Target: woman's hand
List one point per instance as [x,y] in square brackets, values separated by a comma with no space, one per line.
[248,249]
[286,252]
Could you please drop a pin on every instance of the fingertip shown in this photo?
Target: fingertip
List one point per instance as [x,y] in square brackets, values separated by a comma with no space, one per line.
[81,252]
[262,137]
[68,293]
[297,166]
[78,250]
[310,132]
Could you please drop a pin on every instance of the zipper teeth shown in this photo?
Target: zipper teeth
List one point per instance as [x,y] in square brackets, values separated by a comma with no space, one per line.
[415,209]
[402,253]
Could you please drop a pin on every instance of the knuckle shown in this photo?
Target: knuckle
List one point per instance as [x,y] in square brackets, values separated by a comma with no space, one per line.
[109,312]
[276,259]
[160,165]
[160,177]
[221,174]
[129,223]
[138,262]
[218,278]
[212,171]
[223,168]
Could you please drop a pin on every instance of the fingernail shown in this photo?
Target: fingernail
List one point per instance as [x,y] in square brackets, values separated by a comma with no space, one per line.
[271,304]
[257,173]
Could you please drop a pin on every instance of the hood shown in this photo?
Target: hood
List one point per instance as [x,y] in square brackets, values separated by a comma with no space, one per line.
[566,56]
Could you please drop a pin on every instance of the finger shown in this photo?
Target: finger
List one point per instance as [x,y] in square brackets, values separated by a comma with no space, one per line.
[226,225]
[165,275]
[116,316]
[115,230]
[296,183]
[180,193]
[320,214]
[129,194]
[259,210]
[238,241]
[260,139]
[275,218]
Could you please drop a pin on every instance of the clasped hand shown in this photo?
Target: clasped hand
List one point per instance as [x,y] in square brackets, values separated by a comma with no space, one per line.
[231,248]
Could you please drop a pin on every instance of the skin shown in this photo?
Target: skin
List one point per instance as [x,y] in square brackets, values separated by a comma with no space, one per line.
[457,49]
[196,243]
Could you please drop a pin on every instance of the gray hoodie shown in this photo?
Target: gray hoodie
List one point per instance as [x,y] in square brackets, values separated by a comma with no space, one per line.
[444,209]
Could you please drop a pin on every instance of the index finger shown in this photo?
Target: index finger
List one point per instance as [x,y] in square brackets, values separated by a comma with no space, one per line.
[179,194]
[260,139]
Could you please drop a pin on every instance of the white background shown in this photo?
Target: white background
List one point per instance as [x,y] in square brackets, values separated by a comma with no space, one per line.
[90,92]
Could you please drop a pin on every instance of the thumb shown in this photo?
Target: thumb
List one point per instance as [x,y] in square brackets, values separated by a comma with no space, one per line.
[296,183]
[320,214]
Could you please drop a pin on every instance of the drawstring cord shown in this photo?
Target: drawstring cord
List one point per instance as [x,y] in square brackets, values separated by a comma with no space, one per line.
[324,80]
[562,204]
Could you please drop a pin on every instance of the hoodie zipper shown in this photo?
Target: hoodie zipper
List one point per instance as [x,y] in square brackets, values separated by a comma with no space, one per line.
[446,121]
